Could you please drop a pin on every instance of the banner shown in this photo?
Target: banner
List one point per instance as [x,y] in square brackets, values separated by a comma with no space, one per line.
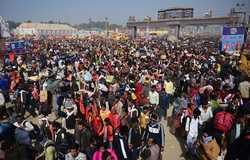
[16,46]
[232,39]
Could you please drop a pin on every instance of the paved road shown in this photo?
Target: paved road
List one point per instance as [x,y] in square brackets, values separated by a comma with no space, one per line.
[172,149]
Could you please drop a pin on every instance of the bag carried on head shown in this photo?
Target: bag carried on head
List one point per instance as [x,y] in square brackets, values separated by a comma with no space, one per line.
[43,96]
[223,121]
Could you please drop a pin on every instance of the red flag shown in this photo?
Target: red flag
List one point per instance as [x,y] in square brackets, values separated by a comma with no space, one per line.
[11,57]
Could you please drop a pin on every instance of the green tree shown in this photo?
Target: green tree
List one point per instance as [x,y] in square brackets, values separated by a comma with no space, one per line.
[13,24]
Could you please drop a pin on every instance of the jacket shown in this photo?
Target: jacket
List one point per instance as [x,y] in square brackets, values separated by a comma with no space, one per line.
[155,131]
[4,84]
[239,149]
[83,139]
[62,141]
[134,137]
[70,121]
[121,147]
[164,100]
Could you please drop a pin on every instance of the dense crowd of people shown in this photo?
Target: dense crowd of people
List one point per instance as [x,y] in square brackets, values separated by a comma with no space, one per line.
[104,99]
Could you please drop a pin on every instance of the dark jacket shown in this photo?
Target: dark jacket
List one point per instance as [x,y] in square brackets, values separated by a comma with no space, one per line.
[164,100]
[239,149]
[62,141]
[70,122]
[20,152]
[155,131]
[121,147]
[83,139]
[134,137]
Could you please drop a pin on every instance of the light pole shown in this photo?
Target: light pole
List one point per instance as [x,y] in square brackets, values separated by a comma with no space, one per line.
[107,26]
[147,29]
[90,24]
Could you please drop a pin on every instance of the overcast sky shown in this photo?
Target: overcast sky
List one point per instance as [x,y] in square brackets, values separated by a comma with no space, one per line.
[117,11]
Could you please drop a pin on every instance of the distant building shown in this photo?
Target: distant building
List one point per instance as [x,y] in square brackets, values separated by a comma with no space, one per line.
[208,13]
[175,13]
[241,14]
[44,29]
[131,19]
[147,19]
[4,28]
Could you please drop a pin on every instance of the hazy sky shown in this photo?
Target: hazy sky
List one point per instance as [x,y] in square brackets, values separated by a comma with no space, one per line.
[117,11]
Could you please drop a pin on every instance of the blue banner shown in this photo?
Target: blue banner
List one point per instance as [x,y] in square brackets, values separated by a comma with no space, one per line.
[233,30]
[17,45]
[232,39]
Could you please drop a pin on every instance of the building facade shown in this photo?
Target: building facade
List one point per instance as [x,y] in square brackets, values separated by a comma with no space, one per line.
[175,13]
[4,28]
[44,29]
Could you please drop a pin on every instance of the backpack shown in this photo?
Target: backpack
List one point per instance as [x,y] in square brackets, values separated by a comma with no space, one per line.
[223,121]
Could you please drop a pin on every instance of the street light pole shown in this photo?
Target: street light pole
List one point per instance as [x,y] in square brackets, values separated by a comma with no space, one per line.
[90,24]
[107,26]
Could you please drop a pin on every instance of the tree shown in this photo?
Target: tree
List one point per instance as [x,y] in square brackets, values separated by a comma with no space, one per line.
[13,24]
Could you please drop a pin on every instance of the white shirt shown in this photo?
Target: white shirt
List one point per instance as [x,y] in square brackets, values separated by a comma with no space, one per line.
[192,127]
[205,115]
[80,156]
[154,97]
